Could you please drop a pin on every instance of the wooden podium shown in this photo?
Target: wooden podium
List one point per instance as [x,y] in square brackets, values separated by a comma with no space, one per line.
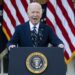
[18,58]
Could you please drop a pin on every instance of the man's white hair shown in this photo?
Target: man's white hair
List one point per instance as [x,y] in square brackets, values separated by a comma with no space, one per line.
[34,4]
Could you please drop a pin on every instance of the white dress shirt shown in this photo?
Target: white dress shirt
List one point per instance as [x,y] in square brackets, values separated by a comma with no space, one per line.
[32,26]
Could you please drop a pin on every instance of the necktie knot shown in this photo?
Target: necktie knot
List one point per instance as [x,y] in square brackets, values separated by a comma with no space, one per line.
[34,29]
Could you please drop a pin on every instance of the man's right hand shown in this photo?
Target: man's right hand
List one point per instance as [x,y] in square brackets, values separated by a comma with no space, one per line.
[11,46]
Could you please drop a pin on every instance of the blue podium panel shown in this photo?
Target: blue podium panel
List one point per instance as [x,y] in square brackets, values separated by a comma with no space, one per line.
[55,59]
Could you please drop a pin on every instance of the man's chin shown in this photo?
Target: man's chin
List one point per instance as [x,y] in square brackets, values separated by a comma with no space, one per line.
[35,23]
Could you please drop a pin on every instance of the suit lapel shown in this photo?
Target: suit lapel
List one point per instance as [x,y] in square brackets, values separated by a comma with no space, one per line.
[41,34]
[41,28]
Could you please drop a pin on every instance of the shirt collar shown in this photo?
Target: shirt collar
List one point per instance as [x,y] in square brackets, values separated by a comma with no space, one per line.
[31,26]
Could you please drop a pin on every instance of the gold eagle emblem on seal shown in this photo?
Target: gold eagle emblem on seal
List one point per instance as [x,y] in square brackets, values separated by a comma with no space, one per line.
[36,62]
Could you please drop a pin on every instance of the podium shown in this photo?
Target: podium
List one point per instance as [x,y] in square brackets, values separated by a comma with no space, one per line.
[55,61]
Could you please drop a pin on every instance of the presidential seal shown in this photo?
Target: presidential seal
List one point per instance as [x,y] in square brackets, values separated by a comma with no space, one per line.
[36,62]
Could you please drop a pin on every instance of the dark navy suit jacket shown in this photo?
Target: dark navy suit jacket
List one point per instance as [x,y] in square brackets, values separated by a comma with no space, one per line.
[22,36]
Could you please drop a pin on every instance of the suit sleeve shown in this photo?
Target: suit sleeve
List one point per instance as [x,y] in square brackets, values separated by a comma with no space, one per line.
[15,38]
[54,40]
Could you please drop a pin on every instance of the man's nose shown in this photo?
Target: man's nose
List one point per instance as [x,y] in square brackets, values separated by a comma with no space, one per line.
[35,14]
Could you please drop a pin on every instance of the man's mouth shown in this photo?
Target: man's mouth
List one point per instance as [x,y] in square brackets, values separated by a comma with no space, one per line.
[35,18]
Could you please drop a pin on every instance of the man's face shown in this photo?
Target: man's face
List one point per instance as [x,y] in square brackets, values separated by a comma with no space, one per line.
[34,14]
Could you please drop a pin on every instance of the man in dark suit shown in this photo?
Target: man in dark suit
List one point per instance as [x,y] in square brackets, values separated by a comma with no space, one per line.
[34,33]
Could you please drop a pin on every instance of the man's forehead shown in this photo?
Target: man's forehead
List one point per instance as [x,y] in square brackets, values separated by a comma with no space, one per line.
[35,5]
[34,8]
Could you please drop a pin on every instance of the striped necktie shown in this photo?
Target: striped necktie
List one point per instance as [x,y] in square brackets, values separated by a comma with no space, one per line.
[35,37]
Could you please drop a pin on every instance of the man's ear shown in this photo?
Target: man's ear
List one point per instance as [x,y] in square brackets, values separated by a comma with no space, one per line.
[28,13]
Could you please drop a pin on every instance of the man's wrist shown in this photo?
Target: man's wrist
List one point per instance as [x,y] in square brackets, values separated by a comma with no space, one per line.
[61,45]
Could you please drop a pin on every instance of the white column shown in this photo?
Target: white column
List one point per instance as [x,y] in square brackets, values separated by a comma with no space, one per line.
[71,68]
